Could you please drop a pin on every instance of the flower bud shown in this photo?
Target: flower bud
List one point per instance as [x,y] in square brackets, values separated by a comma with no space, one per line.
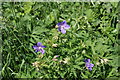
[97,63]
[54,59]
[56,56]
[36,64]
[102,61]
[83,51]
[54,45]
[56,26]
[105,60]
[55,37]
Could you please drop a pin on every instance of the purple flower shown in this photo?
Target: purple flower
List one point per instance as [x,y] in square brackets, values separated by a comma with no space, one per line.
[88,64]
[39,47]
[62,26]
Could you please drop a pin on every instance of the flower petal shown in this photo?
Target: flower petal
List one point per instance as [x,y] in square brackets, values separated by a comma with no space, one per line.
[59,28]
[63,31]
[35,47]
[87,65]
[64,22]
[61,23]
[87,60]
[66,26]
[42,51]
[90,68]
[36,50]
[39,44]
[43,46]
[91,65]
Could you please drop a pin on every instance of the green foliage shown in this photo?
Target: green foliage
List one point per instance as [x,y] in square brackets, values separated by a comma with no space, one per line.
[93,34]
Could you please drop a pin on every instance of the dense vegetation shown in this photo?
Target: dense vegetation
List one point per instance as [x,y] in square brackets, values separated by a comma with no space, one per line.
[93,34]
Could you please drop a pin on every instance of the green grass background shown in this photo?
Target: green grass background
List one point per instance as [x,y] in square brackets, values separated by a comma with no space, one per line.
[93,34]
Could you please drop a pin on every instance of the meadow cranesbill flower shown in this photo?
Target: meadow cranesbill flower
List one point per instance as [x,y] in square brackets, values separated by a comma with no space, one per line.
[62,26]
[88,65]
[39,47]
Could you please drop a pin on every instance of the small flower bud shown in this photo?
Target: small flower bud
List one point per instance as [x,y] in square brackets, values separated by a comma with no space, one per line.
[48,41]
[102,61]
[118,21]
[54,45]
[66,60]
[64,40]
[36,64]
[61,61]
[40,56]
[83,44]
[97,63]
[106,60]
[55,37]
[54,59]
[56,26]
[56,56]
[83,51]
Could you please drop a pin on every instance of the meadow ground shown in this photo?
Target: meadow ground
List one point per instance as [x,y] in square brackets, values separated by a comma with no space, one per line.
[60,40]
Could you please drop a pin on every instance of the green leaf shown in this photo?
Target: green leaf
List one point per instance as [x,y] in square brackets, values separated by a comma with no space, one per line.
[39,30]
[23,61]
[84,76]
[77,67]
